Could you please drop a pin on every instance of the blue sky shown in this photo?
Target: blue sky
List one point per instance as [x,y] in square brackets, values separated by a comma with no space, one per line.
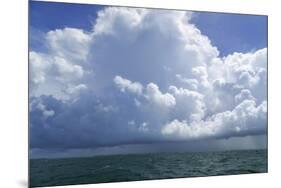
[243,32]
[46,16]
[121,80]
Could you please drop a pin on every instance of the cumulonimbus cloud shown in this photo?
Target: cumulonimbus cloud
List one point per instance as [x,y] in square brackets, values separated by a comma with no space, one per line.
[142,76]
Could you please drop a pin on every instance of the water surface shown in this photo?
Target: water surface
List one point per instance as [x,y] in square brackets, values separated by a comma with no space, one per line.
[133,167]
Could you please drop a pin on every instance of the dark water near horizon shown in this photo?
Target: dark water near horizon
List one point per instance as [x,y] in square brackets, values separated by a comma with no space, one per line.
[133,167]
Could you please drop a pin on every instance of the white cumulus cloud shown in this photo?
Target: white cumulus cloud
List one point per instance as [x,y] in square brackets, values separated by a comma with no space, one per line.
[246,118]
[125,84]
[143,75]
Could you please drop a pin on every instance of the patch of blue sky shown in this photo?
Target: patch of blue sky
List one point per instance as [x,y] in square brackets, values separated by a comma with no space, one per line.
[233,32]
[45,16]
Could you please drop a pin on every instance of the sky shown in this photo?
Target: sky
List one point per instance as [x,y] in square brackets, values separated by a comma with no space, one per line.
[111,80]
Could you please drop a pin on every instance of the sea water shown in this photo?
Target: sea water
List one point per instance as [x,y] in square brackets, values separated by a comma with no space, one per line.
[134,167]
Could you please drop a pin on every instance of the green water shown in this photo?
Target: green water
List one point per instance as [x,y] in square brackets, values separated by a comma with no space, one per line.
[117,168]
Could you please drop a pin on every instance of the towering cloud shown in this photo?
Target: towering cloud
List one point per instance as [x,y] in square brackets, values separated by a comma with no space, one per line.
[142,76]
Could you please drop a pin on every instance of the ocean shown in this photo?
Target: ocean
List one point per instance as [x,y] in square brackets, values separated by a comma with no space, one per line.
[134,167]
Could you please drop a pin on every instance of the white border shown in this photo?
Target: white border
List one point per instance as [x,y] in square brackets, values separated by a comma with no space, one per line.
[13,98]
